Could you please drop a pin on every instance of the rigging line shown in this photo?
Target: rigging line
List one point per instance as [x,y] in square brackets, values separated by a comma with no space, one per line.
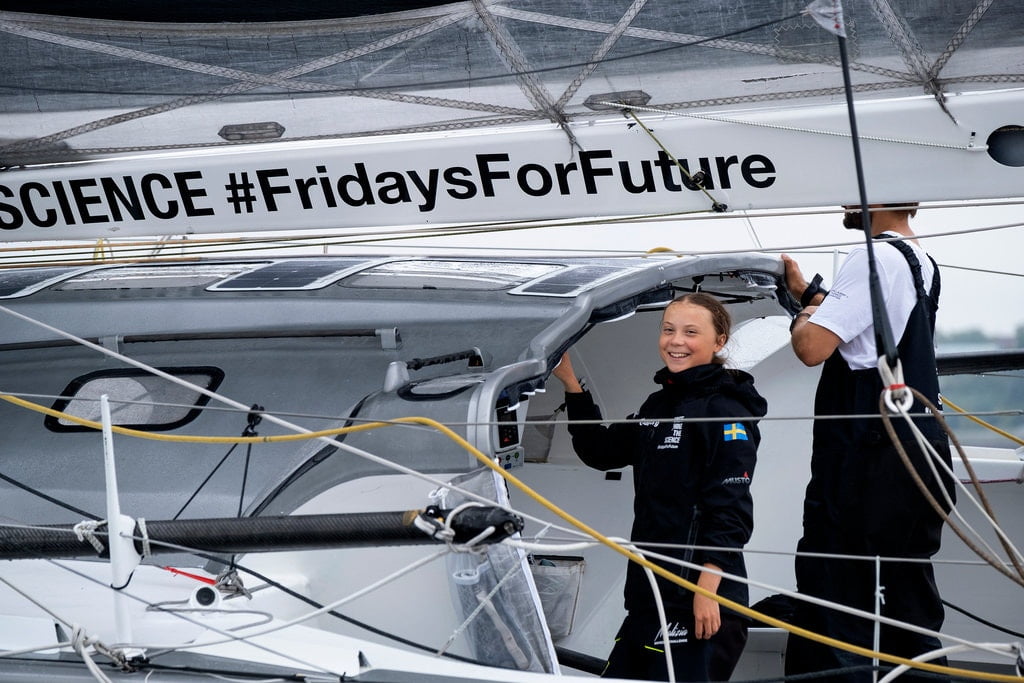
[515,60]
[366,422]
[609,41]
[48,498]
[1017,440]
[752,231]
[933,459]
[203,483]
[1012,552]
[654,35]
[793,129]
[957,39]
[56,617]
[716,206]
[981,620]
[986,271]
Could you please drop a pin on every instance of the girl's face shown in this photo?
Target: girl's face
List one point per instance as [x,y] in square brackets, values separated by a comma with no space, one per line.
[688,337]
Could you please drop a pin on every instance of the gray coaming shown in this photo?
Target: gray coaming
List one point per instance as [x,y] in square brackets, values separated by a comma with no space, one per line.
[568,325]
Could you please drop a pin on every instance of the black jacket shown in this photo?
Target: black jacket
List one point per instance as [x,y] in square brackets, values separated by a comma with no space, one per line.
[691,479]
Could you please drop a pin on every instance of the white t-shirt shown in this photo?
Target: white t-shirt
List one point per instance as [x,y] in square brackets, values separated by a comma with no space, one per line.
[846,310]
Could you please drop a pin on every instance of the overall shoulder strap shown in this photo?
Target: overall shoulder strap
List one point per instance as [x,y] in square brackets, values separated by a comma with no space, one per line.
[932,296]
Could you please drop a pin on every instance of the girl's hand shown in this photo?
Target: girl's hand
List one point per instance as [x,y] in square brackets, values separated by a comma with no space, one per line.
[707,616]
[565,374]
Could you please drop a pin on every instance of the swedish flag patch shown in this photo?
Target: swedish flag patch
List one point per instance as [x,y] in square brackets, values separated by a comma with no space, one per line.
[734,431]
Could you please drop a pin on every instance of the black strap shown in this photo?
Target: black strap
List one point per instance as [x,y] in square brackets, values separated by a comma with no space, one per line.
[814,288]
[932,296]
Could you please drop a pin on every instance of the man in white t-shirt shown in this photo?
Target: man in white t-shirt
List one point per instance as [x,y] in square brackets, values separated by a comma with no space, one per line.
[861,499]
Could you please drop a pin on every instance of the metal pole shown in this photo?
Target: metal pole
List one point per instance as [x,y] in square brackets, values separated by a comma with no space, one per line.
[123,558]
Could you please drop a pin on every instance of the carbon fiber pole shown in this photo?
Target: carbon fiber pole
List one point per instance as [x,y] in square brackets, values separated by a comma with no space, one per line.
[263,534]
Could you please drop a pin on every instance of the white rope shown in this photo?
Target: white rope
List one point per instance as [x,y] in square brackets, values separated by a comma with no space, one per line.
[1009,649]
[659,605]
[80,643]
[85,531]
[898,397]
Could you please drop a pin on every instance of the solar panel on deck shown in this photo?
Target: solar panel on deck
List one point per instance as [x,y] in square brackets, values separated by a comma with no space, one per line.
[571,280]
[21,282]
[303,274]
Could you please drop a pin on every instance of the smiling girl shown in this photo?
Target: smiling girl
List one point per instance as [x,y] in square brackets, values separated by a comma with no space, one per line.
[692,490]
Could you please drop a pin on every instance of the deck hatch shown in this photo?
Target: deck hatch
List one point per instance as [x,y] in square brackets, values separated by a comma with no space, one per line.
[152,276]
[450,274]
[571,281]
[22,282]
[138,400]
[290,275]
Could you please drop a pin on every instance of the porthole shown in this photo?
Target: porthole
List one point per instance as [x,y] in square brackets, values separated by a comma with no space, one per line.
[138,400]
[1006,145]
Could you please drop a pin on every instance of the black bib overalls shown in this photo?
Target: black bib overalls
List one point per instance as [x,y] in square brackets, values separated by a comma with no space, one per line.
[861,501]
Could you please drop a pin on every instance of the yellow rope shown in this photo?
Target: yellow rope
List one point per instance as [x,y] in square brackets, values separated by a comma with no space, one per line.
[102,250]
[1016,439]
[544,502]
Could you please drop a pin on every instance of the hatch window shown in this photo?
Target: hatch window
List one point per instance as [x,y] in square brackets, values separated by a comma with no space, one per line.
[440,274]
[138,400]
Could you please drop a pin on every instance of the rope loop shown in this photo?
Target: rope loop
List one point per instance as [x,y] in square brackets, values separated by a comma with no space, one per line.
[434,528]
[86,531]
[440,529]
[897,396]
